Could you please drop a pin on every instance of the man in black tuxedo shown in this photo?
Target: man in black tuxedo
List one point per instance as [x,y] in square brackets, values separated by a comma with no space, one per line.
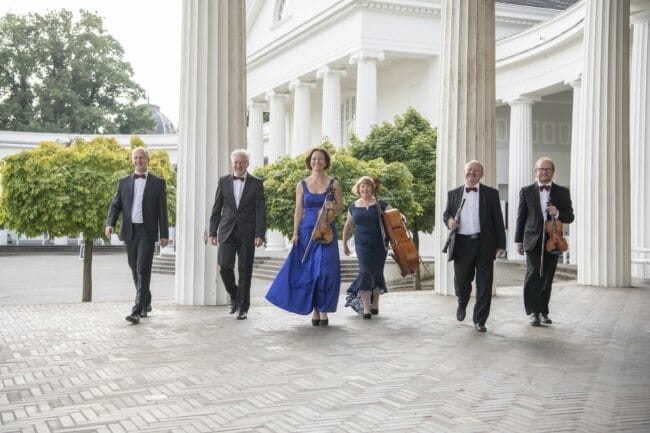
[537,202]
[142,200]
[238,225]
[480,237]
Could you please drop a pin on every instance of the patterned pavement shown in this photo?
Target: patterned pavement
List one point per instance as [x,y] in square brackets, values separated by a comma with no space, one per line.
[74,367]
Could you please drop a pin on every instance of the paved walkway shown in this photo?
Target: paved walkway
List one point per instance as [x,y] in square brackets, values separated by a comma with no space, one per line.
[80,367]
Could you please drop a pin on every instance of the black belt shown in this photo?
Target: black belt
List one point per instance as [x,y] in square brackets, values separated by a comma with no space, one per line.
[472,236]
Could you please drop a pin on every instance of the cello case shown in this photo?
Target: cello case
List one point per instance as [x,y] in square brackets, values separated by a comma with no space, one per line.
[404,252]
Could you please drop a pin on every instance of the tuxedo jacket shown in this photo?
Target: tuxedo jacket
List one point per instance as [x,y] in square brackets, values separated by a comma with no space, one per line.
[493,235]
[154,207]
[530,219]
[249,220]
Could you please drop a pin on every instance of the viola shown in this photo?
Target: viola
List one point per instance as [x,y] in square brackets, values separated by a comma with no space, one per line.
[556,244]
[322,232]
[403,249]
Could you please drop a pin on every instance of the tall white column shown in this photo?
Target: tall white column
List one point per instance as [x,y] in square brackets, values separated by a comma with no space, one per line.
[604,206]
[577,155]
[520,162]
[301,116]
[467,111]
[366,114]
[212,124]
[277,149]
[640,141]
[256,133]
[331,113]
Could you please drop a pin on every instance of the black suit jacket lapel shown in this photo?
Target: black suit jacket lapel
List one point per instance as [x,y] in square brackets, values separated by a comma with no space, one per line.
[130,191]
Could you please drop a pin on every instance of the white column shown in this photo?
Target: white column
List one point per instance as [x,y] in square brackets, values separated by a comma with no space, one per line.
[331,114]
[604,208]
[467,112]
[3,236]
[301,116]
[577,155]
[640,141]
[366,90]
[520,162]
[274,239]
[256,133]
[212,124]
[433,91]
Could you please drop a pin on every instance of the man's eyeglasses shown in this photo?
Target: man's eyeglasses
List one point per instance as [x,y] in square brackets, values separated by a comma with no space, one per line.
[544,169]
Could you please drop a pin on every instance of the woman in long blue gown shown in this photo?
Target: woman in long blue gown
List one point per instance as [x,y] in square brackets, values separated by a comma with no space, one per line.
[312,286]
[369,244]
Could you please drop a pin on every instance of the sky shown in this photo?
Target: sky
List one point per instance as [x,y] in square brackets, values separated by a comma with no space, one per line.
[148,30]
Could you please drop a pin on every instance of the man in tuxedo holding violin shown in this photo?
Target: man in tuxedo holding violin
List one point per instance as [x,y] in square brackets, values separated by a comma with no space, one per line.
[479,238]
[238,226]
[541,201]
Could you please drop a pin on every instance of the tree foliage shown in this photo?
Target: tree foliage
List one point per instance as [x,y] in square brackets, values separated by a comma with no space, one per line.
[65,190]
[412,141]
[60,75]
[282,176]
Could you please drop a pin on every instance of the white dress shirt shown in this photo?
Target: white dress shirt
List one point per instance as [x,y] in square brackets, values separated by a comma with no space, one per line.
[138,194]
[238,189]
[470,221]
[544,197]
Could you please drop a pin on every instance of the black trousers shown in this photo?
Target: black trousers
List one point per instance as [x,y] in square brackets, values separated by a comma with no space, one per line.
[244,252]
[468,263]
[537,290]
[140,251]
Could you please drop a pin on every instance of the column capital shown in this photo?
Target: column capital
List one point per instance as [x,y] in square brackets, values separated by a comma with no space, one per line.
[273,94]
[640,17]
[524,100]
[251,104]
[324,70]
[299,83]
[575,83]
[364,55]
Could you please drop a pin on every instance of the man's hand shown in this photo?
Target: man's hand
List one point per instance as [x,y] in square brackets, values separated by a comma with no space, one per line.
[452,224]
[552,210]
[108,231]
[214,240]
[164,242]
[500,252]
[520,249]
[259,242]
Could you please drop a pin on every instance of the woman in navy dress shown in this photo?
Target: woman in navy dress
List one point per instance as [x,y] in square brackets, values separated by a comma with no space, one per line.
[370,246]
[312,286]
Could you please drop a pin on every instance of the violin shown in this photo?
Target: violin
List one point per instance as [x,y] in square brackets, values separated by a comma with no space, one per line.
[556,244]
[322,232]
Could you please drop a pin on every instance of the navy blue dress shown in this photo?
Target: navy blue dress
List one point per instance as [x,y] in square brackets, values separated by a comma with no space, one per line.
[371,254]
[299,287]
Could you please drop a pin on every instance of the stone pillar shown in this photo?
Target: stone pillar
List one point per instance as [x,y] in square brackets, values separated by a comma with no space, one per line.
[212,125]
[577,155]
[467,111]
[366,90]
[301,116]
[256,133]
[640,142]
[331,113]
[604,208]
[3,237]
[520,163]
[274,239]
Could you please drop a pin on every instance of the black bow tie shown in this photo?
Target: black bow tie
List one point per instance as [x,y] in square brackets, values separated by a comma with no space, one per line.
[544,188]
[471,189]
[238,178]
[139,176]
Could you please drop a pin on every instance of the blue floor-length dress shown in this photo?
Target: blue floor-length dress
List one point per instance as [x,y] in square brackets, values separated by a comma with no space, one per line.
[371,252]
[299,287]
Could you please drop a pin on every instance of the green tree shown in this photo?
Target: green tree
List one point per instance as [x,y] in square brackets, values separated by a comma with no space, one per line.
[65,190]
[61,75]
[412,141]
[282,176]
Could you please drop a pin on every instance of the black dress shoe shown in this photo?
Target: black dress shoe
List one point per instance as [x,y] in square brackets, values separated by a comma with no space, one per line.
[242,315]
[460,313]
[546,320]
[374,310]
[323,322]
[534,319]
[367,316]
[133,318]
[479,327]
[233,308]
[315,322]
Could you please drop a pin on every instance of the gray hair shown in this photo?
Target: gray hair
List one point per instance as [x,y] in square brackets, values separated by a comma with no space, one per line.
[242,152]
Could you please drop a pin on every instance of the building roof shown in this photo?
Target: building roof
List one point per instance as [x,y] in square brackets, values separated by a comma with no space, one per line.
[163,124]
[547,4]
